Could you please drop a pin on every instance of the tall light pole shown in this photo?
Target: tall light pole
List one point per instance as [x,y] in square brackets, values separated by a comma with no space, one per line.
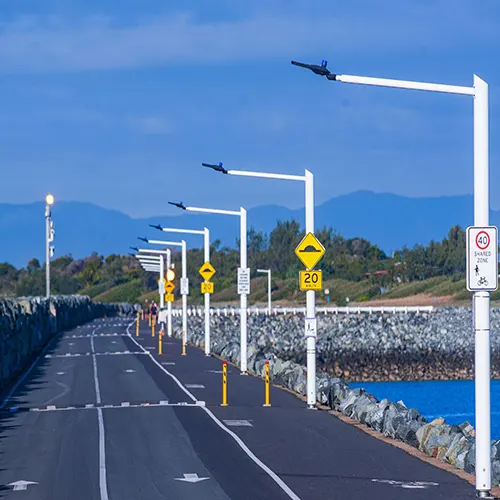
[308,180]
[243,273]
[49,238]
[268,272]
[206,245]
[481,299]
[184,283]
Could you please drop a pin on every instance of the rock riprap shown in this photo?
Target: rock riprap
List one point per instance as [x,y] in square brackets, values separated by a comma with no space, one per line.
[367,347]
[27,324]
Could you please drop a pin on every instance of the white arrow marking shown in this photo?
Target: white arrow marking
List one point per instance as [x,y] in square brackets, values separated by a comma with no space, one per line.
[21,485]
[191,478]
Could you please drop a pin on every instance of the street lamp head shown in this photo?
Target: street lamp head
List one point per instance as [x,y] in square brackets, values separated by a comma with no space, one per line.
[143,239]
[156,226]
[134,248]
[217,168]
[131,254]
[49,199]
[179,205]
[321,70]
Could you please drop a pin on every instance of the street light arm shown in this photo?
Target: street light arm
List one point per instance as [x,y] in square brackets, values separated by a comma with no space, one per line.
[217,168]
[213,211]
[178,205]
[267,175]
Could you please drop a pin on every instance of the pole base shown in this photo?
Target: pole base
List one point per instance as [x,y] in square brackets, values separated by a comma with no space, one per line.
[311,407]
[224,405]
[266,405]
[244,373]
[485,494]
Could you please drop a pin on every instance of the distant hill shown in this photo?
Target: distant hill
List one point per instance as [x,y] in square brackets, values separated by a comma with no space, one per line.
[388,220]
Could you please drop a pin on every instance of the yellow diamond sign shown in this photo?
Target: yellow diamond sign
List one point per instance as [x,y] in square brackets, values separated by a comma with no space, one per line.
[207,271]
[310,250]
[169,287]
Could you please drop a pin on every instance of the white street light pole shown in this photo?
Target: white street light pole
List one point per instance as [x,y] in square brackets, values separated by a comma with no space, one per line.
[268,272]
[242,214]
[206,245]
[184,278]
[49,237]
[308,180]
[481,300]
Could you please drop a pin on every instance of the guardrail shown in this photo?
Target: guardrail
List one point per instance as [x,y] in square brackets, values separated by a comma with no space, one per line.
[233,311]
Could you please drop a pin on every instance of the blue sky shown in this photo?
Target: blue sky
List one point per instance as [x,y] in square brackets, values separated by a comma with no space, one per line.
[118,102]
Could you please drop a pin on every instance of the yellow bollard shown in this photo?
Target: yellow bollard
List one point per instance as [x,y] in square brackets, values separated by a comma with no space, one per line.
[149,319]
[152,328]
[183,345]
[142,314]
[224,384]
[137,326]
[268,386]
[160,342]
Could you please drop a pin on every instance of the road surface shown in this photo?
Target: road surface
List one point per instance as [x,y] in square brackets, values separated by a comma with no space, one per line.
[102,416]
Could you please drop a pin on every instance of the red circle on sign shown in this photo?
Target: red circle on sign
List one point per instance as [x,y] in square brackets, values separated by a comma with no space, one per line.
[485,237]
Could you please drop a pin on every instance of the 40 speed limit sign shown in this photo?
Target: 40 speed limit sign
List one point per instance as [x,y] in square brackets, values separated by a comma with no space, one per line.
[311,280]
[482,259]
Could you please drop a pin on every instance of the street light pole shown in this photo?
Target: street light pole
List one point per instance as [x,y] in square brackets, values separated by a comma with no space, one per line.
[268,272]
[206,245]
[49,237]
[481,299]
[242,214]
[308,180]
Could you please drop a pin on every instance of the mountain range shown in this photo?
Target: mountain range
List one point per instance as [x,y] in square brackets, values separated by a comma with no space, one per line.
[388,220]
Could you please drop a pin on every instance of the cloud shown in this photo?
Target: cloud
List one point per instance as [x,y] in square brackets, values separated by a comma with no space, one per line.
[96,43]
[150,125]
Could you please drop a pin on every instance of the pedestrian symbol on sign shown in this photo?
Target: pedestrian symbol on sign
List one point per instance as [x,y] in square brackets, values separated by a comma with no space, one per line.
[477,270]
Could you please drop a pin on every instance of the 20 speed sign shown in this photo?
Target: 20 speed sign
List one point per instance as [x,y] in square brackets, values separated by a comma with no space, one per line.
[482,259]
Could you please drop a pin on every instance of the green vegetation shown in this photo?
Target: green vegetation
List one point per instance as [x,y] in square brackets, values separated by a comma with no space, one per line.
[352,268]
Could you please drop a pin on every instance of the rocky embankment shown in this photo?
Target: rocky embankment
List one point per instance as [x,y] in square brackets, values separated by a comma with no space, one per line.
[27,324]
[411,346]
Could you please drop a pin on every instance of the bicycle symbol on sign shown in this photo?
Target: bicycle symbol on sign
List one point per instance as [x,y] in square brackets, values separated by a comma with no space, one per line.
[482,281]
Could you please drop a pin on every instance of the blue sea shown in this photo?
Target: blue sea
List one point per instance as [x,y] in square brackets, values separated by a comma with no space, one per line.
[451,399]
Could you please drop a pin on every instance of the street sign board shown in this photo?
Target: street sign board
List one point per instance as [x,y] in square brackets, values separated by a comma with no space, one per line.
[184,286]
[207,271]
[311,280]
[244,280]
[169,287]
[311,327]
[169,297]
[207,287]
[310,251]
[161,286]
[482,259]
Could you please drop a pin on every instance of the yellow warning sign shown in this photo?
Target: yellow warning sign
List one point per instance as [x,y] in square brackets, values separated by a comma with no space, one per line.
[207,287]
[169,287]
[207,271]
[311,280]
[169,297]
[310,250]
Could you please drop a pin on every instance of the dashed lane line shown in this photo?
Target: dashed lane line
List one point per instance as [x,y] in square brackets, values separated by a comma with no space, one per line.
[79,354]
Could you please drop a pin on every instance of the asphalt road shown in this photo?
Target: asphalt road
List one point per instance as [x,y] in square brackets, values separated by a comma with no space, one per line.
[102,416]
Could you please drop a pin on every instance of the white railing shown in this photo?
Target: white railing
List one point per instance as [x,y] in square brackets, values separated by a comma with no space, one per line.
[234,311]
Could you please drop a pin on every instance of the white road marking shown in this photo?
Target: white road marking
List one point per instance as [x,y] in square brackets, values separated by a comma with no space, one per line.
[195,386]
[242,445]
[168,363]
[191,478]
[421,485]
[21,485]
[124,404]
[238,423]
[103,485]
[60,373]
[129,371]
[71,343]
[108,353]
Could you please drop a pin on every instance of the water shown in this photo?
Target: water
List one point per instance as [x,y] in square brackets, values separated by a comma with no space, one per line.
[451,399]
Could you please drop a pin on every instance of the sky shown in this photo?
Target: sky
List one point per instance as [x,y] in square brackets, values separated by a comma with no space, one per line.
[117,102]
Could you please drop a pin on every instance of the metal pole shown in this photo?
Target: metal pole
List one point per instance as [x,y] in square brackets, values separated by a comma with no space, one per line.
[162,293]
[47,250]
[243,296]
[310,298]
[169,305]
[269,291]
[206,246]
[184,296]
[481,300]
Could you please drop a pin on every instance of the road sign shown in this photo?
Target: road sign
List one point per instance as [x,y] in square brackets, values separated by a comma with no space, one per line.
[311,327]
[482,259]
[207,287]
[310,251]
[169,287]
[207,271]
[243,280]
[169,297]
[161,285]
[311,280]
[184,286]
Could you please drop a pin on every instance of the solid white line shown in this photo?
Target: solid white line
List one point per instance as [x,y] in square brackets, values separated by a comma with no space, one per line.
[103,485]
[242,445]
